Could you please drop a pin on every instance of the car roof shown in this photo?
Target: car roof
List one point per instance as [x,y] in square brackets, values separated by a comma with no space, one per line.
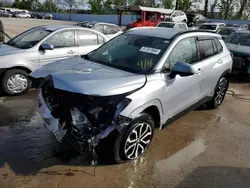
[213,23]
[153,32]
[57,27]
[165,33]
[243,31]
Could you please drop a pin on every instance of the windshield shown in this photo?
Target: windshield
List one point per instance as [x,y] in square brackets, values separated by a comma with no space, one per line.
[168,25]
[239,39]
[208,27]
[132,53]
[29,38]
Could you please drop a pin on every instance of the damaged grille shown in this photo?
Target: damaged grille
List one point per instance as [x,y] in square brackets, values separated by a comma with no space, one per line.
[98,110]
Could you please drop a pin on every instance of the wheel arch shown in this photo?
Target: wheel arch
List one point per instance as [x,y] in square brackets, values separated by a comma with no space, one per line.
[153,108]
[15,67]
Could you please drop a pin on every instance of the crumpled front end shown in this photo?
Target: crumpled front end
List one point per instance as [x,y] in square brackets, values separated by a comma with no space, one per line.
[81,119]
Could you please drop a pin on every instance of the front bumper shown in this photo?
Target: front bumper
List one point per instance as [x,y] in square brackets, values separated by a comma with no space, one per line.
[50,122]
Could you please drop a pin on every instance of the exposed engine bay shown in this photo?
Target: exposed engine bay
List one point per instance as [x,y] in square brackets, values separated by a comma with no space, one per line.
[83,119]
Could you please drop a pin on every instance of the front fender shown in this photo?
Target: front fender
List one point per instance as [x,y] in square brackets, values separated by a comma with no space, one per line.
[137,111]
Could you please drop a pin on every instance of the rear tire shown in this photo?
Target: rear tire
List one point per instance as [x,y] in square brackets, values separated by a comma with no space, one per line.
[219,93]
[15,78]
[134,139]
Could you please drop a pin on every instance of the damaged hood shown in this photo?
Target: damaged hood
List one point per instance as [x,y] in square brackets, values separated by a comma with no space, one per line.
[86,77]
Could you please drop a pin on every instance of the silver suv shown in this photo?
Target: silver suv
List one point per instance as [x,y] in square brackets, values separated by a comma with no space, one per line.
[136,82]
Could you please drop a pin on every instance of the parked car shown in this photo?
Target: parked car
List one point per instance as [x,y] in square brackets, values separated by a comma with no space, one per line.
[212,26]
[39,46]
[176,16]
[5,14]
[108,29]
[44,16]
[226,31]
[239,45]
[23,15]
[34,15]
[195,19]
[172,25]
[125,96]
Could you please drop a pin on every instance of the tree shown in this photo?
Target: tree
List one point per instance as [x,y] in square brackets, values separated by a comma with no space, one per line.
[242,7]
[96,6]
[227,8]
[50,6]
[168,4]
[187,5]
[71,5]
[213,6]
[205,8]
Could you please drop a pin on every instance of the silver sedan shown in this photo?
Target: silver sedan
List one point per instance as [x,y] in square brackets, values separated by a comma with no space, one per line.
[39,46]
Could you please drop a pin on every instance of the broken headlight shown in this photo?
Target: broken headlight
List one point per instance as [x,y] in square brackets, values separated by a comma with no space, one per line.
[121,106]
[79,120]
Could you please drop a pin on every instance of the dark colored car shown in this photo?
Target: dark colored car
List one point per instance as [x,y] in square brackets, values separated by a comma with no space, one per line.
[239,45]
[225,32]
[44,16]
[195,19]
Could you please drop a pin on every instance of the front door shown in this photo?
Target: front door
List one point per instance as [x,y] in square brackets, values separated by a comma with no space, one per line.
[182,92]
[64,47]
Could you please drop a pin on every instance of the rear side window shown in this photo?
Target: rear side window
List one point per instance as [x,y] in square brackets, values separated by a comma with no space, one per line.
[110,29]
[206,48]
[86,38]
[218,46]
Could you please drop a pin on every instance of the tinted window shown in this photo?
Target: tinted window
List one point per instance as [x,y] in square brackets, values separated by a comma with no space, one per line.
[205,48]
[225,31]
[239,38]
[86,38]
[185,51]
[139,53]
[218,45]
[99,27]
[180,13]
[208,27]
[177,26]
[110,29]
[62,39]
[168,25]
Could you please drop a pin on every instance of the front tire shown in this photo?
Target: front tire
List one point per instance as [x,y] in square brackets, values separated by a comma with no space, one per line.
[219,93]
[134,139]
[15,82]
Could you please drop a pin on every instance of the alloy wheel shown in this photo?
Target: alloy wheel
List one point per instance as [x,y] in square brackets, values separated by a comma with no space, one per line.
[138,140]
[221,92]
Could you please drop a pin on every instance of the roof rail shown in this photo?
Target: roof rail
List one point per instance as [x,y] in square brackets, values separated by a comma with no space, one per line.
[191,31]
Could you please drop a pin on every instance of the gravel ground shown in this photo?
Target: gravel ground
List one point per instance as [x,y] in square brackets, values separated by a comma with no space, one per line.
[205,148]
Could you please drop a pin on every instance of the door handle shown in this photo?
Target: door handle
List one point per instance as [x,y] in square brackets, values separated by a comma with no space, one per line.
[71,52]
[220,61]
[199,70]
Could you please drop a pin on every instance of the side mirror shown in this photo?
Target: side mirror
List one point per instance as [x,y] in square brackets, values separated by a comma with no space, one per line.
[183,69]
[47,46]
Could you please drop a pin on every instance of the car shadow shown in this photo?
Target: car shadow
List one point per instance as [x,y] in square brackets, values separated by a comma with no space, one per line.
[217,176]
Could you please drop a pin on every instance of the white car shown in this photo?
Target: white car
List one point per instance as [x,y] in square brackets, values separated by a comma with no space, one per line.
[175,16]
[108,29]
[214,26]
[39,46]
[173,25]
[23,15]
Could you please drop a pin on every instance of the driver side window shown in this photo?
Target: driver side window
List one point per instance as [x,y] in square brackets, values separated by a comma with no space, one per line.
[184,51]
[62,39]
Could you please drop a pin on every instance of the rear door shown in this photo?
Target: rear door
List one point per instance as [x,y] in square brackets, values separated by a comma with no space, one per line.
[88,41]
[212,63]
[64,47]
